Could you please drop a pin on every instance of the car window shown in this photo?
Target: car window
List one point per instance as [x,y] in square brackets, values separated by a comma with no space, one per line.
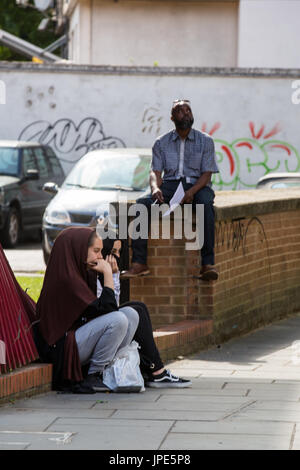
[41,162]
[97,173]
[285,184]
[54,162]
[9,161]
[29,162]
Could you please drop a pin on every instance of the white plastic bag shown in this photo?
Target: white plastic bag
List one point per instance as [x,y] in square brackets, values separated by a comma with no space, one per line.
[123,373]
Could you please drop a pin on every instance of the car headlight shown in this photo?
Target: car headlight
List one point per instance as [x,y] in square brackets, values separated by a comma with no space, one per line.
[56,216]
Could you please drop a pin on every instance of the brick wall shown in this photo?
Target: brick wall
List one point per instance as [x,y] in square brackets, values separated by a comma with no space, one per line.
[26,381]
[257,247]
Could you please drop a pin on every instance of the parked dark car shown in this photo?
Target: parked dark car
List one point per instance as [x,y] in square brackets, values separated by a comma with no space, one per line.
[24,168]
[98,179]
[279,180]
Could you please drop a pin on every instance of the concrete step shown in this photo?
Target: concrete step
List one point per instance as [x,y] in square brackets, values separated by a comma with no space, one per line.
[26,381]
[183,338]
[172,341]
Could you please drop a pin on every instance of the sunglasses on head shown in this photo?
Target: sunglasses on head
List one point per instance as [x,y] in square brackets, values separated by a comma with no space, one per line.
[181,101]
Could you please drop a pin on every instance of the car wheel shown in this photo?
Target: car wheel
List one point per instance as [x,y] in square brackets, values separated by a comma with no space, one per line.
[11,232]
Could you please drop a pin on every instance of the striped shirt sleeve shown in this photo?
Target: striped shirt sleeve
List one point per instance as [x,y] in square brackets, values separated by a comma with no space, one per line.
[157,161]
[208,162]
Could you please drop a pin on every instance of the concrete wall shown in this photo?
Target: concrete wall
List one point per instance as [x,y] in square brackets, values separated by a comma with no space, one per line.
[249,113]
[146,32]
[269,33]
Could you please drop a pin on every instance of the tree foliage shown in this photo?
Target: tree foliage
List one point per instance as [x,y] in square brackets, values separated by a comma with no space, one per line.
[23,22]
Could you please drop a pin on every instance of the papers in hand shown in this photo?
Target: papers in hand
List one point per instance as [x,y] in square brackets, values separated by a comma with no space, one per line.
[176,199]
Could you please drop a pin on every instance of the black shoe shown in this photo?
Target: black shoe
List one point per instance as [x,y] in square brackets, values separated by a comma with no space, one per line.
[94,381]
[167,380]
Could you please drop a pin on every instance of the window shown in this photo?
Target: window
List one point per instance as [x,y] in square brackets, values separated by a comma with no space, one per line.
[41,162]
[9,161]
[29,162]
[54,162]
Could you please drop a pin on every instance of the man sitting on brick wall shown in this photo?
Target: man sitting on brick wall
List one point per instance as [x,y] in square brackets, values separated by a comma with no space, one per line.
[188,156]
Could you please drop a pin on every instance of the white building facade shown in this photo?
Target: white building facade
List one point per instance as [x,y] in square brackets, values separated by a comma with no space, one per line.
[184,33]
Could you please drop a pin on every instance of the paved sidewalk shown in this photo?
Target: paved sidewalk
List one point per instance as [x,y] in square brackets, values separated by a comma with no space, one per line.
[245,395]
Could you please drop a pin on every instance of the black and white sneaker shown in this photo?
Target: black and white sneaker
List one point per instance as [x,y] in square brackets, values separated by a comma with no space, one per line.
[167,380]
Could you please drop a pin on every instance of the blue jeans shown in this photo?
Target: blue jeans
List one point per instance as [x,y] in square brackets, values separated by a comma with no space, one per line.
[205,196]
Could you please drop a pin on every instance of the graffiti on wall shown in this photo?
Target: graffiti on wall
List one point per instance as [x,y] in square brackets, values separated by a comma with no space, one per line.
[241,161]
[244,160]
[68,138]
[233,234]
[151,121]
[247,237]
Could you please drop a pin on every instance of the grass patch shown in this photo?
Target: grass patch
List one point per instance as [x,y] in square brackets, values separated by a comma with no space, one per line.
[32,285]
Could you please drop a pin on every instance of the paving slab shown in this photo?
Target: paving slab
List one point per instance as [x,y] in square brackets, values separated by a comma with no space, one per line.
[177,415]
[23,419]
[269,415]
[231,426]
[117,434]
[276,405]
[274,395]
[21,440]
[190,441]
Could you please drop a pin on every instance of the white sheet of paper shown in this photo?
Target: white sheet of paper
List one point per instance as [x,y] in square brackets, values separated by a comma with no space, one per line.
[176,199]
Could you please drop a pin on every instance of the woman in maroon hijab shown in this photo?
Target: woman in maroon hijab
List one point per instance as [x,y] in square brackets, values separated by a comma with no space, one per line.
[152,367]
[75,327]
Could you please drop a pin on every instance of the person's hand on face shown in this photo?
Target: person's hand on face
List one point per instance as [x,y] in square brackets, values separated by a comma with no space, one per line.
[113,263]
[100,265]
[95,259]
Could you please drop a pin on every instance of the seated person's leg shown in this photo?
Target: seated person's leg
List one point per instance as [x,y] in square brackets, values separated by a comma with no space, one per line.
[99,340]
[206,196]
[151,364]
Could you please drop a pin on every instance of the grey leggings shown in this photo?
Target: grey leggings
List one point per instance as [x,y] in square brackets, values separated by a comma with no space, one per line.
[100,339]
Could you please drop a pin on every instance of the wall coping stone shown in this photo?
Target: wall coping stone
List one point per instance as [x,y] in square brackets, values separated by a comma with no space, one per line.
[66,66]
[253,202]
[247,203]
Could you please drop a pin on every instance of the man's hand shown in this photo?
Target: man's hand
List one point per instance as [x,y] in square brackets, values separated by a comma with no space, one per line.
[188,197]
[155,183]
[157,194]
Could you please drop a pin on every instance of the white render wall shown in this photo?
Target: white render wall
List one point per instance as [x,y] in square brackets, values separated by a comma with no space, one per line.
[250,114]
[146,32]
[212,33]
[269,33]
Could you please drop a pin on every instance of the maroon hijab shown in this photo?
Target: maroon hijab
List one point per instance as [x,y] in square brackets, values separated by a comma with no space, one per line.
[68,286]
[67,291]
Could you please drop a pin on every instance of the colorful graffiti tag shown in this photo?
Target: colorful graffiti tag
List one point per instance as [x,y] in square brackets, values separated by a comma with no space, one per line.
[244,160]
